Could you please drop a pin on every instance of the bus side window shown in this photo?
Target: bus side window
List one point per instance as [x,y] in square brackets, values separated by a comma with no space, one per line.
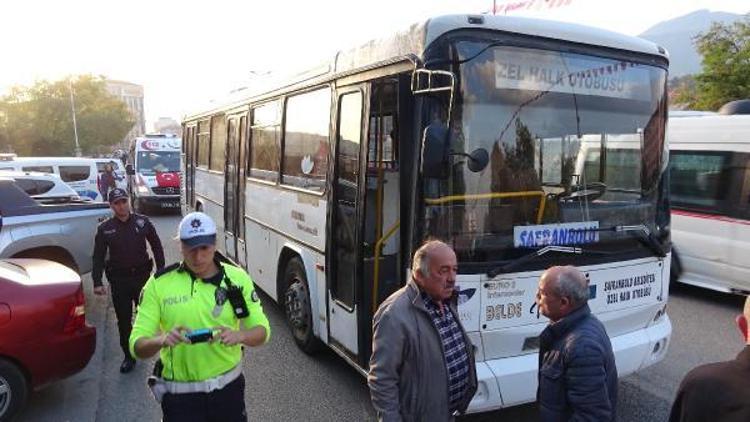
[306,149]
[218,142]
[204,131]
[264,142]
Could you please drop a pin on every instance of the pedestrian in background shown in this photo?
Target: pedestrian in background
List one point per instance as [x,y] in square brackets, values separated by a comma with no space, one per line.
[107,180]
[422,365]
[718,391]
[577,372]
[128,265]
[198,315]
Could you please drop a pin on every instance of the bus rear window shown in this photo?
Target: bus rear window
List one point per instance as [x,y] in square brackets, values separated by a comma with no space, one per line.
[74,173]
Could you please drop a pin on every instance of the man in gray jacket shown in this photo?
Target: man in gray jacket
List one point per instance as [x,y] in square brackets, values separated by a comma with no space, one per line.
[422,364]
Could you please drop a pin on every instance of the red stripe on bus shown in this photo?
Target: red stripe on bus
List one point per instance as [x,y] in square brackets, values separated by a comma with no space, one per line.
[711,217]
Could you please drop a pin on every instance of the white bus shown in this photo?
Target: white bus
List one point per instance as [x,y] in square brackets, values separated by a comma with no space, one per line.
[710,199]
[463,128]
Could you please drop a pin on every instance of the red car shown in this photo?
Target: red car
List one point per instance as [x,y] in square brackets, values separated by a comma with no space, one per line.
[43,331]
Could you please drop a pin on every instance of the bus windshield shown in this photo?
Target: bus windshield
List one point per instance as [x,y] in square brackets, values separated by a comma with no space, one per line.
[152,162]
[575,145]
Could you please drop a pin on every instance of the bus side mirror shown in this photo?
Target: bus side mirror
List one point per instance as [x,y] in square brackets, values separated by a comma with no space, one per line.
[129,170]
[435,151]
[478,160]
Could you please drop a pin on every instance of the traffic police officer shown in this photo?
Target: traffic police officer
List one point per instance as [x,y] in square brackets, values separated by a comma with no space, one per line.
[199,315]
[124,235]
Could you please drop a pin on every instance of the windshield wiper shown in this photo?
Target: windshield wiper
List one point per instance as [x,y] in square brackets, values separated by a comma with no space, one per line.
[645,236]
[533,255]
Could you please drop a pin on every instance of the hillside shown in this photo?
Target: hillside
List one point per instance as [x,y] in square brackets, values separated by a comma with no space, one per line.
[676,35]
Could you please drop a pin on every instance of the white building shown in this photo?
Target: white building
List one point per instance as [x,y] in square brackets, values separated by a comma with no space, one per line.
[132,95]
[168,125]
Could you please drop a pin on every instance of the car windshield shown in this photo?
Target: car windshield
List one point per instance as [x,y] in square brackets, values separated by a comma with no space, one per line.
[575,144]
[152,162]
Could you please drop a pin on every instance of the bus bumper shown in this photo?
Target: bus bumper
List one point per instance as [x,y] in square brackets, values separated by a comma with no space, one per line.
[512,381]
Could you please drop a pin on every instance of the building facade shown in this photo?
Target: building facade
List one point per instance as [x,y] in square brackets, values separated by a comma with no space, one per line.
[132,95]
[168,125]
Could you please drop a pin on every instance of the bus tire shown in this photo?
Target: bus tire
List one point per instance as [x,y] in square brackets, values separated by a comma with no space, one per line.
[14,390]
[297,308]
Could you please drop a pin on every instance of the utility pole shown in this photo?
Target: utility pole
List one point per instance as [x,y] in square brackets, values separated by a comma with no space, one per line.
[75,126]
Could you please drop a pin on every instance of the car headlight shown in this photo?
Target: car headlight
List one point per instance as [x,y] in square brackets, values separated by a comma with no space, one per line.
[142,190]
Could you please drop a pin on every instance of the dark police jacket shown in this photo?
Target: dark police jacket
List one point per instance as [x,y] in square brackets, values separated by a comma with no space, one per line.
[577,372]
[715,392]
[126,242]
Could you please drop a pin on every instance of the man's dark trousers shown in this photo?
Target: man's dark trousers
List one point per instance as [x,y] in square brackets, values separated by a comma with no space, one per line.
[225,405]
[125,294]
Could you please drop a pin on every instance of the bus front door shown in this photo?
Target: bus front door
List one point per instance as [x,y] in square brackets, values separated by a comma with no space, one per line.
[345,257]
[234,190]
[188,160]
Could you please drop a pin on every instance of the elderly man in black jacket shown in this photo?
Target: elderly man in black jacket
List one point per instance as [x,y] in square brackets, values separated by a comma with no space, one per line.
[718,391]
[577,372]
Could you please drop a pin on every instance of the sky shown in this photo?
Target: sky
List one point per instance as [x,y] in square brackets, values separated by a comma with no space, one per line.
[187,52]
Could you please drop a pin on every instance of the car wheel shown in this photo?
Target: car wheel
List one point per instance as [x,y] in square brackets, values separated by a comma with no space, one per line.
[13,390]
[297,307]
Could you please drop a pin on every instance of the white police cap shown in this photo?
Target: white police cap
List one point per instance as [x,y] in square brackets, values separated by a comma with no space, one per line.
[197,229]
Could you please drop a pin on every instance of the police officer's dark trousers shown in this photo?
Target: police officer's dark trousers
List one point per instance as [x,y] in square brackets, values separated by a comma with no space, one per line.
[125,294]
[225,405]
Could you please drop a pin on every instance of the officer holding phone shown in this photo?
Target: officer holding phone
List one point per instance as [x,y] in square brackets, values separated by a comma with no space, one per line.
[199,315]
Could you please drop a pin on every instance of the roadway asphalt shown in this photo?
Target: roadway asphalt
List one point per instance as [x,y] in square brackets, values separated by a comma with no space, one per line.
[284,384]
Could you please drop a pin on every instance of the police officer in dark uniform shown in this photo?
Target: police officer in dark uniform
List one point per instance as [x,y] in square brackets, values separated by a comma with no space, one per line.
[128,267]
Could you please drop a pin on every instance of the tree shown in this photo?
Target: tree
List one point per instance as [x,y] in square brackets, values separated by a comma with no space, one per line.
[682,91]
[726,65]
[37,120]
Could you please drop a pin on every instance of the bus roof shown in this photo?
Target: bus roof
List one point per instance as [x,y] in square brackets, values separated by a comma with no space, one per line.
[717,132]
[412,43]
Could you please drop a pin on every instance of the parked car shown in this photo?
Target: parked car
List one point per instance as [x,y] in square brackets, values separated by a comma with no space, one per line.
[59,232]
[44,187]
[44,336]
[79,173]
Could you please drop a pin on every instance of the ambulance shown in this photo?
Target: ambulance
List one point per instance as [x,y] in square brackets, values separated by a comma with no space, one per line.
[154,172]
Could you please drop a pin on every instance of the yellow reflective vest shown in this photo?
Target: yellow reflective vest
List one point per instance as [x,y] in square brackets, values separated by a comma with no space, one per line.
[172,297]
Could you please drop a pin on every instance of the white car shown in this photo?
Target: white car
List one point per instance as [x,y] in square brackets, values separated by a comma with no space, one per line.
[44,187]
[79,173]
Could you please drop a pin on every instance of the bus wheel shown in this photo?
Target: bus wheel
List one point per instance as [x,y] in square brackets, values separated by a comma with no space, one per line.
[297,306]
